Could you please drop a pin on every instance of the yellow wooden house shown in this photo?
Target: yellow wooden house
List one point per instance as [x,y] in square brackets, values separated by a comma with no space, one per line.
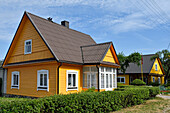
[46,58]
[152,71]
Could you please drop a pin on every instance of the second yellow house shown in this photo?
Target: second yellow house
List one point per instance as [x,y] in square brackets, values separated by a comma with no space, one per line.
[46,58]
[152,71]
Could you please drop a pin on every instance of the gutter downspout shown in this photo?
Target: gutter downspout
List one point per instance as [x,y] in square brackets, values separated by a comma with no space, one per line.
[98,78]
[58,78]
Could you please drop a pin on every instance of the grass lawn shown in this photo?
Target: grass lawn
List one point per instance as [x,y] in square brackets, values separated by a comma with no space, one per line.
[156,105]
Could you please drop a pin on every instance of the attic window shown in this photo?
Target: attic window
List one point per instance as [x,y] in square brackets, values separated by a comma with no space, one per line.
[156,67]
[28,46]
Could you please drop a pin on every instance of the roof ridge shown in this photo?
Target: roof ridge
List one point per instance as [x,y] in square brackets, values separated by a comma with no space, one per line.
[148,55]
[57,24]
[97,44]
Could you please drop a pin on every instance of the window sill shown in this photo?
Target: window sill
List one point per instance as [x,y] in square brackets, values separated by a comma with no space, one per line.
[72,88]
[27,53]
[14,87]
[42,88]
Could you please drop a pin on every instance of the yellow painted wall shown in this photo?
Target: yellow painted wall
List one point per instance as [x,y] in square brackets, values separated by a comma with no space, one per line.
[162,80]
[39,49]
[126,78]
[63,71]
[159,71]
[28,80]
[109,57]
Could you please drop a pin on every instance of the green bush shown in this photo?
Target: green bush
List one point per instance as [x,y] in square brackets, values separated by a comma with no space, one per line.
[154,83]
[0,86]
[92,89]
[153,91]
[168,84]
[81,102]
[138,82]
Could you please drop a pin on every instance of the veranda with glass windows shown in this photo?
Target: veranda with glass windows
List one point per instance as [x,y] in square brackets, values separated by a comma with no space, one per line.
[107,78]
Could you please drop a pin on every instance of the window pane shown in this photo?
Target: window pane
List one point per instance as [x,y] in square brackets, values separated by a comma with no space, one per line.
[118,79]
[86,69]
[88,80]
[93,69]
[102,69]
[45,79]
[107,81]
[16,79]
[102,80]
[85,80]
[122,80]
[69,80]
[110,80]
[41,79]
[74,79]
[108,69]
[114,80]
[29,48]
[93,80]
[114,70]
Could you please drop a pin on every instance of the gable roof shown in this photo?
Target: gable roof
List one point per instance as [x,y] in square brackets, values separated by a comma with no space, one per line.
[94,53]
[65,44]
[147,65]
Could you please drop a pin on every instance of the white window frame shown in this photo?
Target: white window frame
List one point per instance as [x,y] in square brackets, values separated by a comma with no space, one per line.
[153,79]
[12,80]
[159,80]
[30,40]
[156,67]
[120,80]
[38,80]
[113,72]
[90,73]
[72,72]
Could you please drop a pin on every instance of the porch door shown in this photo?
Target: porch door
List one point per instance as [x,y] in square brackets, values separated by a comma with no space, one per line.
[109,82]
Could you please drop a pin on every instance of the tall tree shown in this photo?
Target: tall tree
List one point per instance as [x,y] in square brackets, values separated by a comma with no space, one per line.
[125,60]
[164,56]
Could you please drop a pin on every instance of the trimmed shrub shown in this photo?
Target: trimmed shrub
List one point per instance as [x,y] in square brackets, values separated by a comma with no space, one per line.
[81,102]
[0,86]
[154,83]
[153,91]
[138,82]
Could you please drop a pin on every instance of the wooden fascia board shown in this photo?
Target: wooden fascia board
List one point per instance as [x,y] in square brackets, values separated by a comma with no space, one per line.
[9,49]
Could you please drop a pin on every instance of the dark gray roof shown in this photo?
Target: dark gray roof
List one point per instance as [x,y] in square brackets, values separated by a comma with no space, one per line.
[95,53]
[147,65]
[64,42]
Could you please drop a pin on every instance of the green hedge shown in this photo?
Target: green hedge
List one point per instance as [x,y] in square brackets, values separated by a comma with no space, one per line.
[138,82]
[0,86]
[81,102]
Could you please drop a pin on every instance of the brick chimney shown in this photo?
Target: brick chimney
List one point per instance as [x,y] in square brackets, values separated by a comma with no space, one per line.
[65,23]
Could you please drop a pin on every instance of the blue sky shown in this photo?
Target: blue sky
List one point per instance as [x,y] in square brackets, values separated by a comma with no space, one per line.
[132,25]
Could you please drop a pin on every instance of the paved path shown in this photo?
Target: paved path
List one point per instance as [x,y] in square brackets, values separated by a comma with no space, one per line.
[164,96]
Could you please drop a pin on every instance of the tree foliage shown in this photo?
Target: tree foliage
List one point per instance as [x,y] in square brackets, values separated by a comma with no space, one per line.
[164,56]
[125,60]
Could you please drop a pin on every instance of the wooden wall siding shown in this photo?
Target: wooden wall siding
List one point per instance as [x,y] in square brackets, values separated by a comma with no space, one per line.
[109,57]
[39,49]
[28,80]
[62,84]
[126,79]
[159,71]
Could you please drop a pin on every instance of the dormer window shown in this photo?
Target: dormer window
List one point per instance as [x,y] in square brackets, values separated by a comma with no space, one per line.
[28,46]
[156,67]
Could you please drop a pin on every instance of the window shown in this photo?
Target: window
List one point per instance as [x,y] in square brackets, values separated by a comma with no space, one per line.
[42,81]
[121,80]
[90,77]
[15,80]
[108,78]
[153,79]
[72,80]
[156,67]
[159,80]
[28,46]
